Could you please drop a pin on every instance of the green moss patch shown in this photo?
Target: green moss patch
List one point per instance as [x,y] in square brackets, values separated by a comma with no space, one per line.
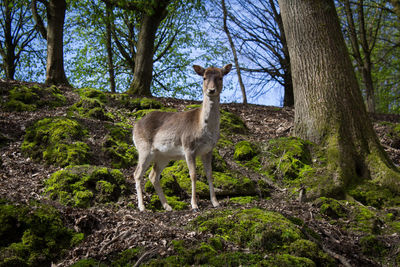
[30,98]
[131,103]
[83,186]
[351,215]
[119,148]
[375,195]
[173,201]
[33,235]
[250,228]
[175,179]
[261,232]
[91,104]
[232,124]
[245,151]
[58,141]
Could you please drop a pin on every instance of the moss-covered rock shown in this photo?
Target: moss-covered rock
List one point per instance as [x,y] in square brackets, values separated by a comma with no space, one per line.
[211,253]
[119,148]
[371,245]
[92,104]
[58,141]
[173,201]
[30,98]
[175,179]
[245,151]
[250,228]
[83,186]
[232,124]
[358,218]
[375,195]
[132,103]
[32,235]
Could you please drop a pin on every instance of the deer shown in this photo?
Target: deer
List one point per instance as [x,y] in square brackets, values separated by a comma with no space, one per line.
[160,137]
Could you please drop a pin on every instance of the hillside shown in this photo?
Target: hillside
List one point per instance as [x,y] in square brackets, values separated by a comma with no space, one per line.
[67,192]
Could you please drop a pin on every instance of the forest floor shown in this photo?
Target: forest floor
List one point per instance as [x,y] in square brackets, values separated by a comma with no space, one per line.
[111,229]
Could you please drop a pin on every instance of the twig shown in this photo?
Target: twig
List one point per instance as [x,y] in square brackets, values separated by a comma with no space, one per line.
[147,255]
[340,258]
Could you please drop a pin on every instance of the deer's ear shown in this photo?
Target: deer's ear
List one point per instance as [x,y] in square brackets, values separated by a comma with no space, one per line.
[199,70]
[226,69]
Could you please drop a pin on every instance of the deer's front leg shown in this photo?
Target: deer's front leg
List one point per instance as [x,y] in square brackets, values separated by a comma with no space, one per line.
[191,162]
[208,170]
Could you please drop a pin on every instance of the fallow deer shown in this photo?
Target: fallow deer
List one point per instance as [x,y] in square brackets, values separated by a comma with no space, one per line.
[164,136]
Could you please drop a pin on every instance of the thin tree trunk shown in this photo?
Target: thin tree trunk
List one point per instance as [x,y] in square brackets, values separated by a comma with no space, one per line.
[109,48]
[329,108]
[143,73]
[9,65]
[363,62]
[288,98]
[55,73]
[235,58]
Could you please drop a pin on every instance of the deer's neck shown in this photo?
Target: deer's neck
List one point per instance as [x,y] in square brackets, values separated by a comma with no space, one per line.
[210,115]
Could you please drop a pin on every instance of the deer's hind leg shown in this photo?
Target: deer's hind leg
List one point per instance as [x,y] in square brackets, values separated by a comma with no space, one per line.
[144,161]
[154,177]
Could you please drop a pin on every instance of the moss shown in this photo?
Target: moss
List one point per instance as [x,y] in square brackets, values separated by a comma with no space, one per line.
[58,141]
[91,104]
[307,249]
[331,208]
[33,235]
[173,201]
[371,245]
[127,257]
[287,157]
[288,260]
[359,218]
[250,228]
[83,186]
[4,140]
[30,98]
[143,112]
[175,180]
[148,103]
[243,200]
[375,195]
[244,150]
[88,263]
[128,102]
[209,253]
[232,124]
[119,148]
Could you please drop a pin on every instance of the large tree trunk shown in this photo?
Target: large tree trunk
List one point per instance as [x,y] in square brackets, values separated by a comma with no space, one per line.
[143,73]
[55,73]
[329,109]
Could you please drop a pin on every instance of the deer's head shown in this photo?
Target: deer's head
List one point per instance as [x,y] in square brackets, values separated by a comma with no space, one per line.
[212,78]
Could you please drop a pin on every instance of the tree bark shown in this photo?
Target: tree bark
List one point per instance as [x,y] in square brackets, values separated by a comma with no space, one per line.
[329,108]
[235,57]
[143,73]
[9,51]
[110,62]
[55,73]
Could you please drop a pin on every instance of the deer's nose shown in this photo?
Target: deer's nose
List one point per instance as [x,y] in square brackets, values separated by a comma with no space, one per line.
[211,90]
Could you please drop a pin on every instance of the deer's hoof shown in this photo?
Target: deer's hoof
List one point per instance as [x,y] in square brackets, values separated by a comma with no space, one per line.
[167,207]
[196,210]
